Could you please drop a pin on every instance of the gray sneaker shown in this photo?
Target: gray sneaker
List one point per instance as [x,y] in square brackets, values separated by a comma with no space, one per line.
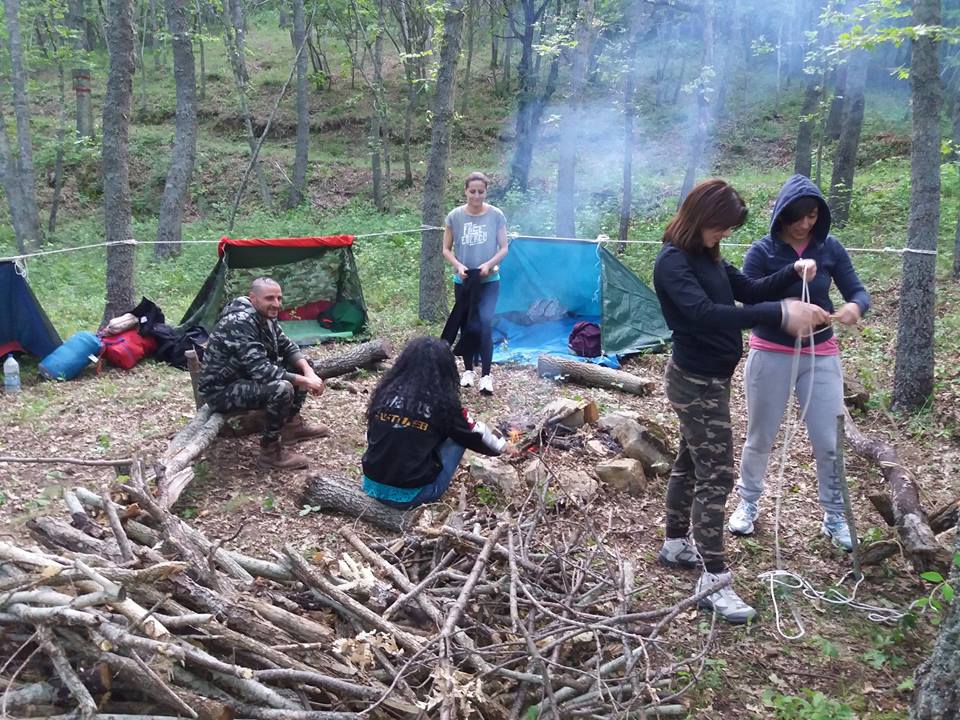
[741,522]
[679,552]
[835,527]
[725,601]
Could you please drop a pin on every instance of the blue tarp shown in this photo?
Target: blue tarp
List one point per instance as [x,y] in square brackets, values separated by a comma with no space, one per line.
[24,326]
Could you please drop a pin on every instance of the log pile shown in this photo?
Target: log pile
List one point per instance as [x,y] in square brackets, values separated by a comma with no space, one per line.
[140,615]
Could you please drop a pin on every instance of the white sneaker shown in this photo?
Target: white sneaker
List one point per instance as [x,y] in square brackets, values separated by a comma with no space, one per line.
[741,522]
[679,552]
[468,378]
[836,528]
[725,601]
[486,385]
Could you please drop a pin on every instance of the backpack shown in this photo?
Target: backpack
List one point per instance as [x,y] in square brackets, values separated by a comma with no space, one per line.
[127,349]
[585,339]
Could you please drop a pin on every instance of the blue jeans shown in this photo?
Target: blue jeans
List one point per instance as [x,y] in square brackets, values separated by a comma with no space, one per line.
[450,454]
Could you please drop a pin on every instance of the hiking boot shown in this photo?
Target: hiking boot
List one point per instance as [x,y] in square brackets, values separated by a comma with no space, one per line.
[835,527]
[295,430]
[725,601]
[741,522]
[486,385]
[468,378]
[679,553]
[274,455]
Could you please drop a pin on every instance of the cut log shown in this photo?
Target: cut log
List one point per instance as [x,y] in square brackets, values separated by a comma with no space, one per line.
[327,492]
[551,366]
[365,355]
[918,540]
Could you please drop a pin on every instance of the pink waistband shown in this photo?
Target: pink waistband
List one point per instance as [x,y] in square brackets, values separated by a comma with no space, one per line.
[827,347]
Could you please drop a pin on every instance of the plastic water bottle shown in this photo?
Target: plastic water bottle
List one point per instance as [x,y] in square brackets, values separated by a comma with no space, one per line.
[11,375]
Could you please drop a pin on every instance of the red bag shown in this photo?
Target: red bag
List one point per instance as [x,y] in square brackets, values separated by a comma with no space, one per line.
[128,348]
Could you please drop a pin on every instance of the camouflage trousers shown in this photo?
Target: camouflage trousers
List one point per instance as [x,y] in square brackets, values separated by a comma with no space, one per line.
[279,400]
[702,474]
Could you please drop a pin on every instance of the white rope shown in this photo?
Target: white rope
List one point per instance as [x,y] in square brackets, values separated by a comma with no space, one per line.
[132,241]
[603,239]
[786,578]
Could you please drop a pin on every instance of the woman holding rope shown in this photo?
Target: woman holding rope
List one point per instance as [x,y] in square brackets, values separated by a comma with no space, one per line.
[474,242]
[698,291]
[799,228]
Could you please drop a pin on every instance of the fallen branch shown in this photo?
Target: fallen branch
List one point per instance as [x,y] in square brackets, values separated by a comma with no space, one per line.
[593,375]
[918,540]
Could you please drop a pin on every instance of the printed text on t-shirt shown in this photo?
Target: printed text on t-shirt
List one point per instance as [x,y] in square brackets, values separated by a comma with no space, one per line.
[473,234]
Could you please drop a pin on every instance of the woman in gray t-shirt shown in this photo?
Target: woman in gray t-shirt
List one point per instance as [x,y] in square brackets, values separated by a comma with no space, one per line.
[475,238]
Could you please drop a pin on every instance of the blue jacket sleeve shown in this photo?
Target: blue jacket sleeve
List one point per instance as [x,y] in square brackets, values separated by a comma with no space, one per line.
[685,292]
[847,280]
[753,289]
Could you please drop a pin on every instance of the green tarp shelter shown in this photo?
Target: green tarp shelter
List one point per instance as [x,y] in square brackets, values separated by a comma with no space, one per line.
[322,297]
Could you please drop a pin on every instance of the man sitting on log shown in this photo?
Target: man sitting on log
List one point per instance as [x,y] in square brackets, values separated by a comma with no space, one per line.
[250,364]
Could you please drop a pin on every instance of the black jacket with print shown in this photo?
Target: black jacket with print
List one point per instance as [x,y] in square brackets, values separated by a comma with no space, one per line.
[402,445]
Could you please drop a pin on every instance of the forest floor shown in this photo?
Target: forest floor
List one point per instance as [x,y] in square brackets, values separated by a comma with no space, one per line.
[854,662]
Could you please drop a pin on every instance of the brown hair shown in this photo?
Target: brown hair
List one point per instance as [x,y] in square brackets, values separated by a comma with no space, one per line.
[476,175]
[710,204]
[795,210]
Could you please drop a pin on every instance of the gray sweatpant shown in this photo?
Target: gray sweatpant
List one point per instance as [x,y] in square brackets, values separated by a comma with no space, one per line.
[766,379]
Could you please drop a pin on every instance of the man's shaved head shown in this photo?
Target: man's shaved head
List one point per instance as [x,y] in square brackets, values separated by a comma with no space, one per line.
[266,296]
[261,283]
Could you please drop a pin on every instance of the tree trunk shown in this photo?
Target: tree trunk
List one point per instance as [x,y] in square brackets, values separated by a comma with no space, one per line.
[25,172]
[570,128]
[803,163]
[956,160]
[203,58]
[913,374]
[845,159]
[303,109]
[154,33]
[629,114]
[61,140]
[284,19]
[704,91]
[433,296]
[233,24]
[345,495]
[9,175]
[471,21]
[835,114]
[116,173]
[377,119]
[81,69]
[937,680]
[184,152]
[531,99]
[507,56]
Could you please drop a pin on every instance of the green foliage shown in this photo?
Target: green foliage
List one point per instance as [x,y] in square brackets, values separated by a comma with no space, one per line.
[809,705]
[307,509]
[189,513]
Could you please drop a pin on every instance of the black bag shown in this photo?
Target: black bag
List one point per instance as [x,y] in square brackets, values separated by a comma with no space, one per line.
[585,339]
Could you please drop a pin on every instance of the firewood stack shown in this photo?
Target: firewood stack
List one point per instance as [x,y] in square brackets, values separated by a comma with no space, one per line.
[139,615]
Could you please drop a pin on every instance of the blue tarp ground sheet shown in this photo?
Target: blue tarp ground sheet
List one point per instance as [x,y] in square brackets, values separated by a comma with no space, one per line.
[515,343]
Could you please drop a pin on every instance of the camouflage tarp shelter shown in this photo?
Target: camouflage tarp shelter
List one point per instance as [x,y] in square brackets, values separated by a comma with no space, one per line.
[322,297]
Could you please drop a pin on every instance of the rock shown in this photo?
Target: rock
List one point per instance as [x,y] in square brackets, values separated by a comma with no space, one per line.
[535,473]
[624,475]
[494,473]
[613,419]
[576,486]
[644,443]
[564,412]
[597,448]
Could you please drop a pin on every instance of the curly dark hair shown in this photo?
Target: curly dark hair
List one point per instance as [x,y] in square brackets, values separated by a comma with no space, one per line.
[423,378]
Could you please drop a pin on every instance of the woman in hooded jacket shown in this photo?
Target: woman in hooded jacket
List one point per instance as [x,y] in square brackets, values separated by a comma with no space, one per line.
[799,229]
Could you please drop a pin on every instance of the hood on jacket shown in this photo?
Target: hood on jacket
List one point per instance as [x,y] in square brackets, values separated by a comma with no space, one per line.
[241,304]
[797,187]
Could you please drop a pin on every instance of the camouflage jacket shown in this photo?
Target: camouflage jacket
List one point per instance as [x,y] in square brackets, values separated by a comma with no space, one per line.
[246,346]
